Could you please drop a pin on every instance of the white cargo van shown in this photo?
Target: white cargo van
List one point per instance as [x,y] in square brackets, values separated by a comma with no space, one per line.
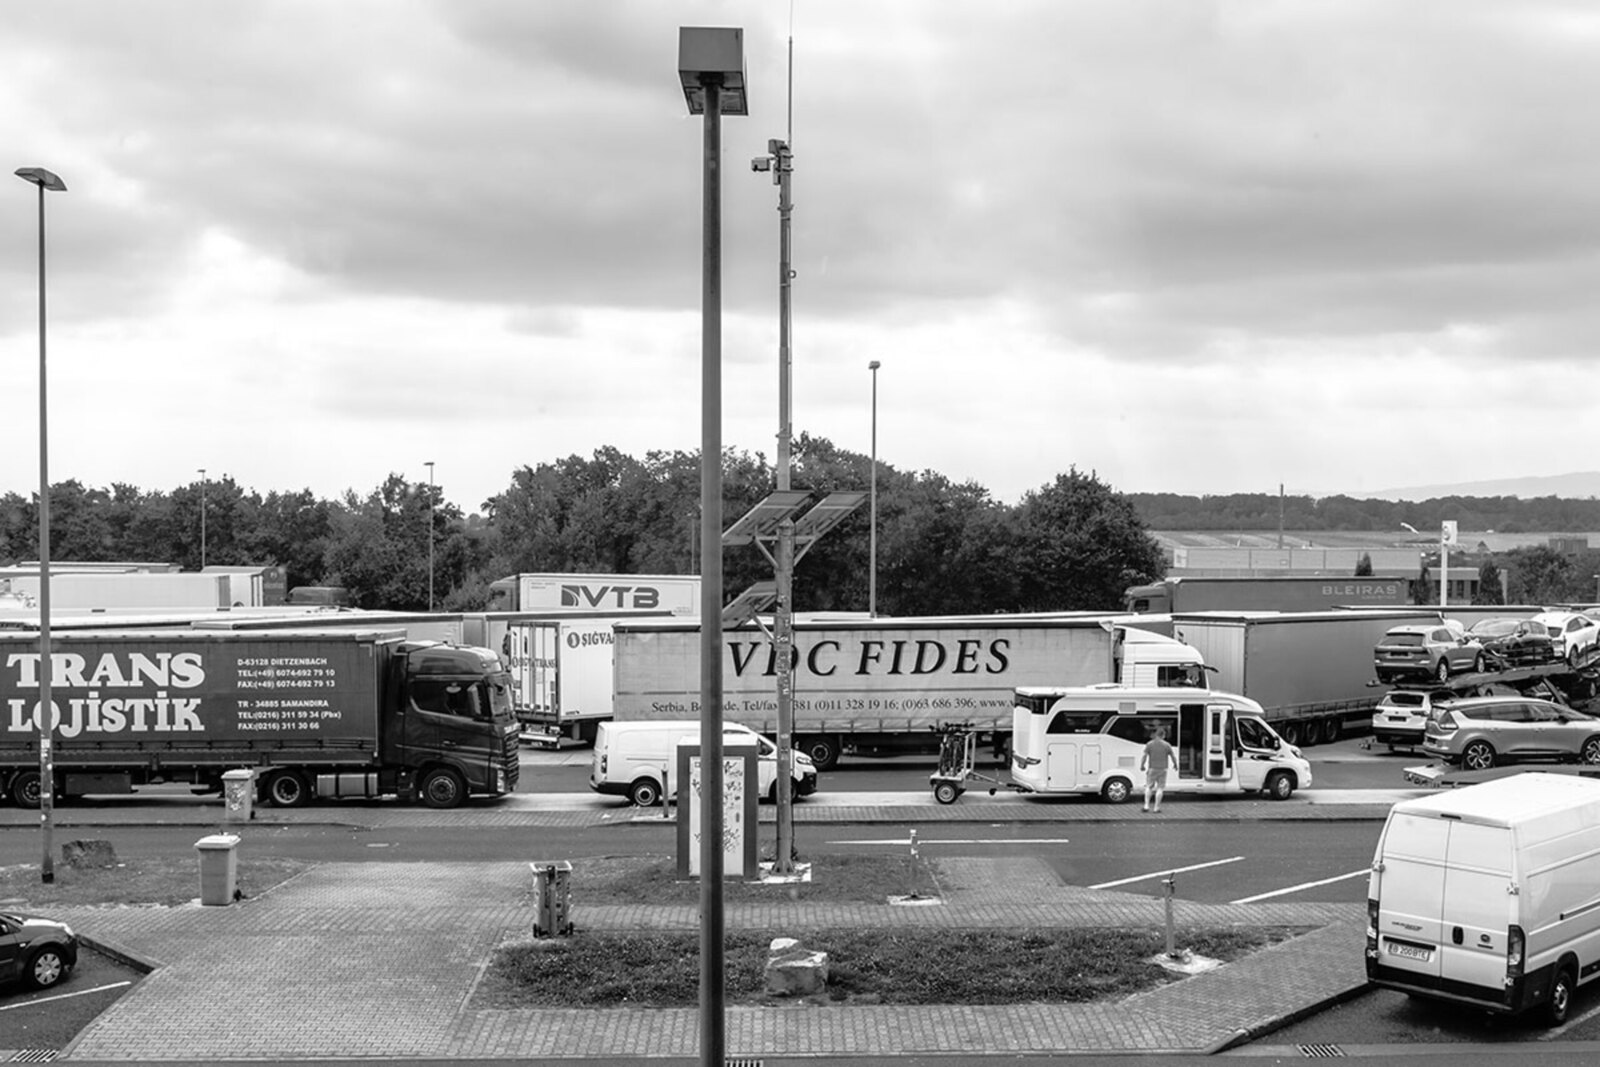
[1489,895]
[1089,739]
[639,760]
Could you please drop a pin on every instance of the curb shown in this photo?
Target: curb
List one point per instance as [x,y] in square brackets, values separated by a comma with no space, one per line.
[1249,1034]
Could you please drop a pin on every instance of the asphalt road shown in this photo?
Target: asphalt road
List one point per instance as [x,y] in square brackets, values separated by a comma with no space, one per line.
[49,1018]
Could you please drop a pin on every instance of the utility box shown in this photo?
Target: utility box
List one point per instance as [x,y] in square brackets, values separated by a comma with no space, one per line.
[238,795]
[740,782]
[552,890]
[219,870]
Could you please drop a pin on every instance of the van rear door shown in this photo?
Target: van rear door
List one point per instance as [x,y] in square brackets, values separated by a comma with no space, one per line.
[1409,887]
[1477,905]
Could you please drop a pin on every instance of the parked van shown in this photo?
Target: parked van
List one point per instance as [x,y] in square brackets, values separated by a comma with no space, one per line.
[1089,740]
[630,759]
[1489,895]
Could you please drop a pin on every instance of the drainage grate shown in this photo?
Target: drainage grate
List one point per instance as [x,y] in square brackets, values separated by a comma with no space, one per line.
[35,1055]
[742,1063]
[1321,1052]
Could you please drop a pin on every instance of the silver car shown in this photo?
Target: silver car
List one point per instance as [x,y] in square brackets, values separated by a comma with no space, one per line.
[1481,732]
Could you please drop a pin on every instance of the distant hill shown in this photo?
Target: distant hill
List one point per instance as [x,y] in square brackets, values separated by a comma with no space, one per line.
[1584,486]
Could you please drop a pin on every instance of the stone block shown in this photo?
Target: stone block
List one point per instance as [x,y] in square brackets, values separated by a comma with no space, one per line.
[88,854]
[792,971]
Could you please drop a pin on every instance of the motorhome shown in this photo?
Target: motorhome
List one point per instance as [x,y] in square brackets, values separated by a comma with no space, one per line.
[1089,739]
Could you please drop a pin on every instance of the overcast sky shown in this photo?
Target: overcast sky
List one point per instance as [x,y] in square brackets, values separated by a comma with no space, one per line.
[1194,247]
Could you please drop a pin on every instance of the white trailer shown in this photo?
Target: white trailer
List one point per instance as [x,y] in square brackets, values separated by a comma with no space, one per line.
[615,594]
[885,686]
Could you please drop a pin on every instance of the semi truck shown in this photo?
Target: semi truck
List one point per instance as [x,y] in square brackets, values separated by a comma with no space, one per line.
[1173,596]
[617,594]
[1311,671]
[887,686]
[314,713]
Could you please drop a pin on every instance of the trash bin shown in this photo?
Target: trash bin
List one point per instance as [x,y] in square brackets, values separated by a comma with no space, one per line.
[238,795]
[218,868]
[552,890]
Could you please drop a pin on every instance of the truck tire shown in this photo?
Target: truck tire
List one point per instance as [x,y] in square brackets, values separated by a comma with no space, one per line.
[25,792]
[1331,729]
[644,792]
[286,789]
[1116,790]
[823,750]
[1290,732]
[1279,785]
[442,788]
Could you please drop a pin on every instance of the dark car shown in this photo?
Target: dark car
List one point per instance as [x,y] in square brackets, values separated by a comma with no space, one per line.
[38,952]
[1518,642]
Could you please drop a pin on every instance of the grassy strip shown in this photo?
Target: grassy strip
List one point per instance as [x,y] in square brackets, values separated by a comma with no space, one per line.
[160,880]
[867,966]
[841,878]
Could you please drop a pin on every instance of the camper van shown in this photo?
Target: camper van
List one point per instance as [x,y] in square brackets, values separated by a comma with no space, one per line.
[1089,740]
[1489,895]
[639,759]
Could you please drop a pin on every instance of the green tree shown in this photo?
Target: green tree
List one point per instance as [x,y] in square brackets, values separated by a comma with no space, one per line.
[1364,565]
[1488,591]
[1079,545]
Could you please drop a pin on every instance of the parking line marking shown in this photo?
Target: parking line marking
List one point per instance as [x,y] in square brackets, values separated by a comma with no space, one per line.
[1302,885]
[958,841]
[65,996]
[1169,870]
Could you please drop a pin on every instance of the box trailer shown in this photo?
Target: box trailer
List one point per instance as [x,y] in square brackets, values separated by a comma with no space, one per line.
[331,713]
[1311,672]
[886,686]
[1286,593]
[616,594]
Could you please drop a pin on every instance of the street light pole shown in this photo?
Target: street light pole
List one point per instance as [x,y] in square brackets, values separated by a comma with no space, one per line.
[711,71]
[429,465]
[202,518]
[872,537]
[45,720]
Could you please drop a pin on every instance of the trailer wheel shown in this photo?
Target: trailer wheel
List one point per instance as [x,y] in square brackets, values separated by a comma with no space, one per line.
[1331,728]
[1116,790]
[442,788]
[25,791]
[1279,785]
[1290,732]
[644,792]
[823,750]
[946,792]
[1590,752]
[287,789]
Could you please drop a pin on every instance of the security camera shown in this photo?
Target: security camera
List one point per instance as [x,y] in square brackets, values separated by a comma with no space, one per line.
[761,163]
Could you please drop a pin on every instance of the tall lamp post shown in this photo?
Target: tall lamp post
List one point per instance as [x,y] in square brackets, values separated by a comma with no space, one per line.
[46,181]
[711,71]
[429,465]
[872,525]
[202,471]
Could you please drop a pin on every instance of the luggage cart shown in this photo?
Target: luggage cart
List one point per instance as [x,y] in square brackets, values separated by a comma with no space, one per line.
[957,762]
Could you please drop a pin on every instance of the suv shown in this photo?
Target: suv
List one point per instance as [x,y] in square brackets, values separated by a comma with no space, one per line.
[1480,732]
[1435,650]
[1401,716]
[1575,634]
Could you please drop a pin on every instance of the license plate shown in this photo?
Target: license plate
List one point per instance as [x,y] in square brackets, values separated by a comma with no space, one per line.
[1397,718]
[1410,952]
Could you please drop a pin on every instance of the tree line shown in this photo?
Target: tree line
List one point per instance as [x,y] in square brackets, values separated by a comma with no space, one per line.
[943,547]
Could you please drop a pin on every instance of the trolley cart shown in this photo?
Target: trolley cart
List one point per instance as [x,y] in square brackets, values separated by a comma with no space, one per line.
[958,762]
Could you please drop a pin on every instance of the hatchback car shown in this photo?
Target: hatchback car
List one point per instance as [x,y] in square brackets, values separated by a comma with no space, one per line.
[1432,650]
[1482,732]
[1516,642]
[1401,717]
[1575,634]
[39,952]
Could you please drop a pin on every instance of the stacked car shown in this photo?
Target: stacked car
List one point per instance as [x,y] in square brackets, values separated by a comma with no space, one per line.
[1515,642]
[1429,650]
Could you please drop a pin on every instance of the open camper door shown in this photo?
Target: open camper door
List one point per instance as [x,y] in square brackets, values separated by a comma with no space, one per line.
[1219,743]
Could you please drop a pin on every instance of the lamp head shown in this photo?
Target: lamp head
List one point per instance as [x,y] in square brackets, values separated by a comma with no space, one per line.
[712,55]
[44,179]
[874,365]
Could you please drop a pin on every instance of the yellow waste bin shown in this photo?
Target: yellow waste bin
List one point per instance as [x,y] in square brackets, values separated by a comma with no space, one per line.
[218,868]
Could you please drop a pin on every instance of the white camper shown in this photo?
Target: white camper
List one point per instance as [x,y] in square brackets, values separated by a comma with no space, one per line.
[1089,739]
[1489,895]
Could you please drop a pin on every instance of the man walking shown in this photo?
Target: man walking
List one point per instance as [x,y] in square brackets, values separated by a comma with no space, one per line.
[1154,761]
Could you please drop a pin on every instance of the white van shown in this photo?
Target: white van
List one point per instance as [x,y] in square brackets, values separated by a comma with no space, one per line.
[631,758]
[1489,895]
[1089,739]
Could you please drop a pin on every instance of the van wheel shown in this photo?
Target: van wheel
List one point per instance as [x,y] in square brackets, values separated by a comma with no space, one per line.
[1116,790]
[287,789]
[1442,671]
[1279,785]
[644,793]
[1560,1003]
[1478,756]
[1590,752]
[823,750]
